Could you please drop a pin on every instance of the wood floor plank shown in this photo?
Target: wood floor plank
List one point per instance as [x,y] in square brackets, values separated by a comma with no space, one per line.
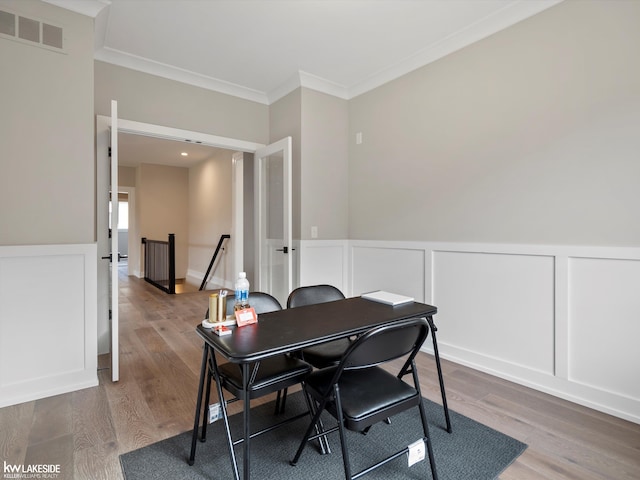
[130,414]
[564,451]
[51,420]
[57,451]
[595,448]
[558,408]
[167,384]
[91,418]
[184,342]
[535,465]
[98,463]
[15,426]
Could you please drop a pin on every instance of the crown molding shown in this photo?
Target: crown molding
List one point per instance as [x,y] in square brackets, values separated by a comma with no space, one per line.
[284,89]
[509,15]
[320,84]
[89,8]
[307,80]
[122,59]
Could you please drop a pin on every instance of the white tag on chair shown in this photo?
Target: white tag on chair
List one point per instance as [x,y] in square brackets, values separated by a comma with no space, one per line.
[416,452]
[215,412]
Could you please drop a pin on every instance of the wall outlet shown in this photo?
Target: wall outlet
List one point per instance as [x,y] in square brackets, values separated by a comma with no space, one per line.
[314,232]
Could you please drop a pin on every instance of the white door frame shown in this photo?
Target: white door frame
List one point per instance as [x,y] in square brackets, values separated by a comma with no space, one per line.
[285,146]
[115,250]
[169,133]
[102,227]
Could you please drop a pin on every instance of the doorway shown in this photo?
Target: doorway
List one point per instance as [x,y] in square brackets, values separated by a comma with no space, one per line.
[126,226]
[102,185]
[238,188]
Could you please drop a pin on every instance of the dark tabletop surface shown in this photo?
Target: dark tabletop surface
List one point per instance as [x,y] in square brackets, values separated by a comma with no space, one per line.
[291,329]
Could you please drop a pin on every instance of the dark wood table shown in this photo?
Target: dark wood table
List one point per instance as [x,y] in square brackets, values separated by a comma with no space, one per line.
[286,331]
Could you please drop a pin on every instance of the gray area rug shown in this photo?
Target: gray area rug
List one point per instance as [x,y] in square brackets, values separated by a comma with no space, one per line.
[472,452]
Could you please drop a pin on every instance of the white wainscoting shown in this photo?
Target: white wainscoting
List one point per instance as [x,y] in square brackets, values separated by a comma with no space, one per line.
[48,320]
[564,320]
[324,262]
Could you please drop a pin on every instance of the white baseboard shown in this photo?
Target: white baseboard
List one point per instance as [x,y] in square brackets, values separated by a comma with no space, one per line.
[585,395]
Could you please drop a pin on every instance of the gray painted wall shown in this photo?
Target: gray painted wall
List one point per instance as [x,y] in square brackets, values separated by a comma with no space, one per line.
[150,99]
[528,136]
[47,192]
[324,166]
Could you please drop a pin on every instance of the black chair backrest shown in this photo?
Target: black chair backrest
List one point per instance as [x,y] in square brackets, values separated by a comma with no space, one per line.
[386,343]
[313,294]
[260,301]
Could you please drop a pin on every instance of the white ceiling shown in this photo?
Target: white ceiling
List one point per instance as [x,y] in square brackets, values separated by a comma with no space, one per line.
[136,149]
[261,50]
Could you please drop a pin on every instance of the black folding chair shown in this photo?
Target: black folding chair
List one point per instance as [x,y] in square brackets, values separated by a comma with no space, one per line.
[273,374]
[329,353]
[359,393]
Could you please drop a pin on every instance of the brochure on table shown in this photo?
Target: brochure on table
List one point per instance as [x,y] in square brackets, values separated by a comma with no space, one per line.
[387,298]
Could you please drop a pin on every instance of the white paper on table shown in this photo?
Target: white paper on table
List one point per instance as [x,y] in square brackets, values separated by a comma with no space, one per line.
[387,297]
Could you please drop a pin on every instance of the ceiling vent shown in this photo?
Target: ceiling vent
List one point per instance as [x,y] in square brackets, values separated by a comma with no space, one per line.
[30,31]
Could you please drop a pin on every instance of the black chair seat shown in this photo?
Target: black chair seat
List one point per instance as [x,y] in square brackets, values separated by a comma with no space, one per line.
[366,395]
[327,354]
[275,373]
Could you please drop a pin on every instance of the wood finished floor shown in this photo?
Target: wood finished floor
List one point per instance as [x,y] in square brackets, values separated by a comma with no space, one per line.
[86,431]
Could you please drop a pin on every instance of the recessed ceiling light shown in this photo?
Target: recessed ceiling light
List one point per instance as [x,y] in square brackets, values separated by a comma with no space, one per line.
[184,154]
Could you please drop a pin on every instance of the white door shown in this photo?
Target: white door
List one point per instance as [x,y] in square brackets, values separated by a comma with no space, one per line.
[274,246]
[115,253]
[103,169]
[107,216]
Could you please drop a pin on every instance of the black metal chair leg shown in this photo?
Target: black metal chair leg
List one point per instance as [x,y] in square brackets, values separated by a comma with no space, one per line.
[427,438]
[246,381]
[196,422]
[284,401]
[307,434]
[343,440]
[278,399]
[225,416]
[423,418]
[433,329]
[205,412]
[319,427]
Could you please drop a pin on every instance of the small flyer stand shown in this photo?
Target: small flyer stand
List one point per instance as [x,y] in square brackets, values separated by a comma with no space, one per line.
[246,316]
